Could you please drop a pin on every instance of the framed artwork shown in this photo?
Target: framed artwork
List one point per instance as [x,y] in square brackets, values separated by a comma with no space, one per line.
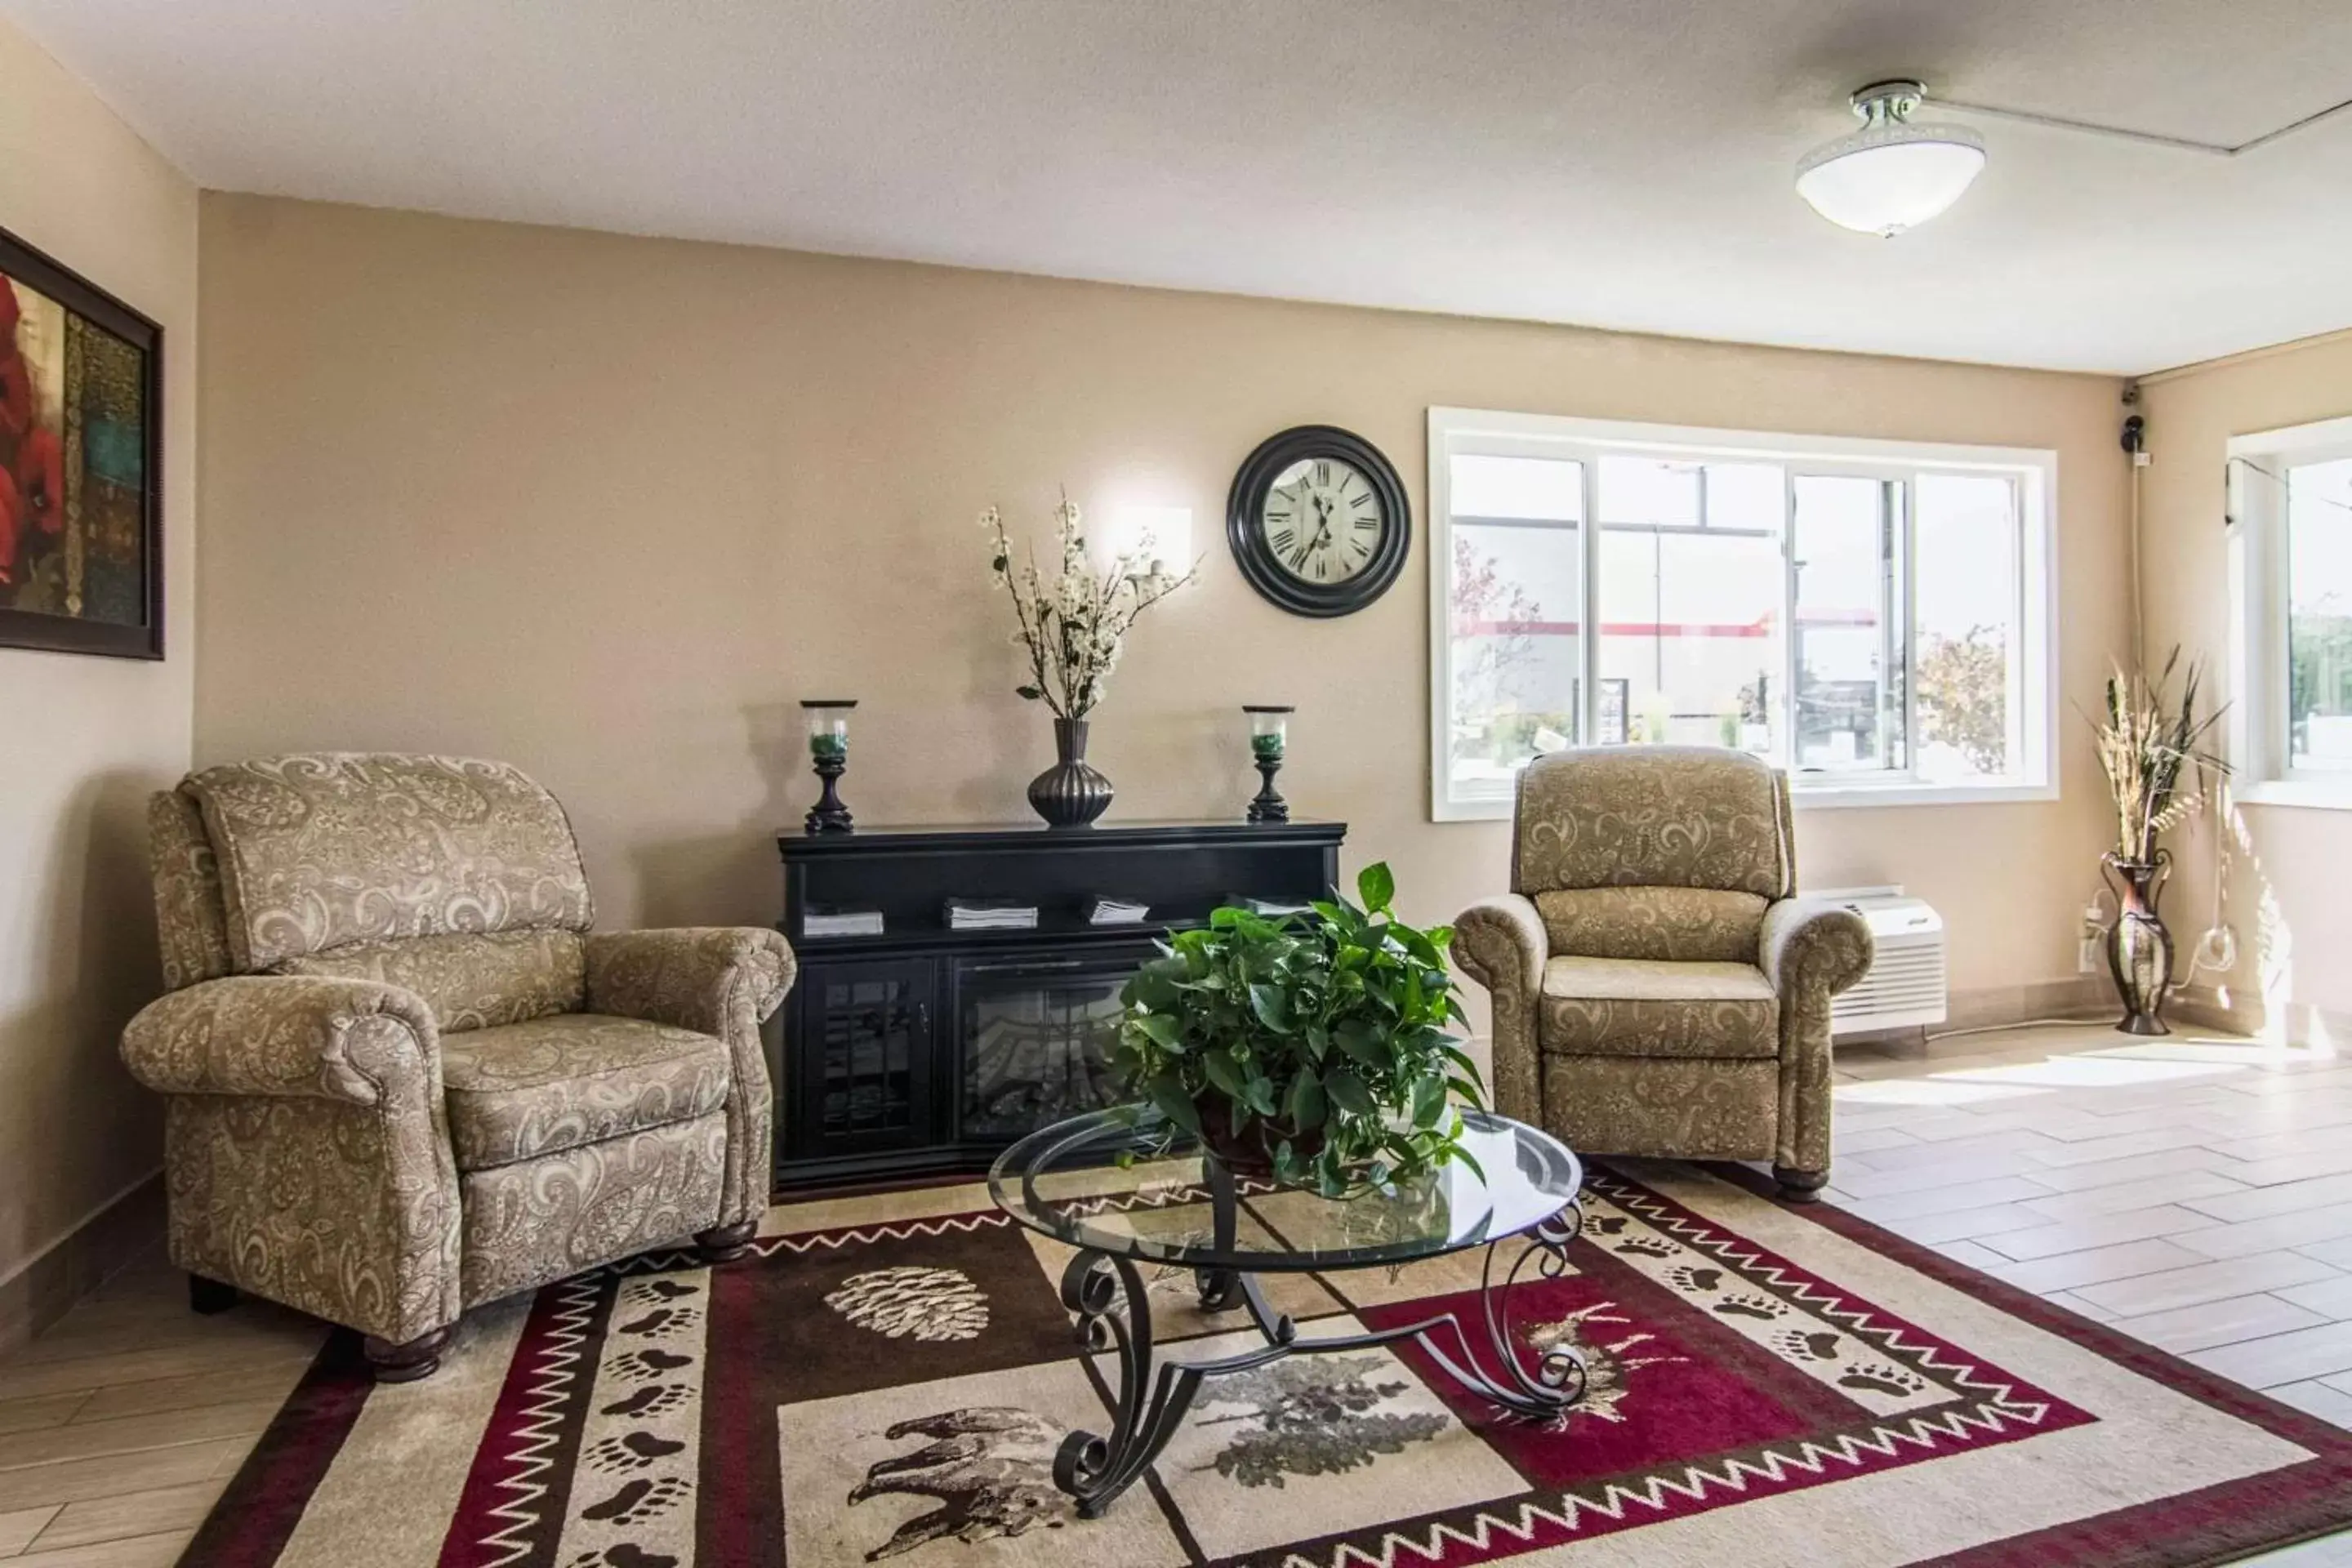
[81,431]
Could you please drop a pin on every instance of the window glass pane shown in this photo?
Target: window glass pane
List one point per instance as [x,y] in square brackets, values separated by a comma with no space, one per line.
[2319,615]
[1842,696]
[1517,487]
[1965,593]
[1690,594]
[1518,593]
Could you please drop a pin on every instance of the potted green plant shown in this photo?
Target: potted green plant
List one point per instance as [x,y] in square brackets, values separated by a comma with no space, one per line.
[1315,1047]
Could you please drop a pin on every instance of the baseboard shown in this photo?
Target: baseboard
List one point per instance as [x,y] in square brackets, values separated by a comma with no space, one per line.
[2086,997]
[46,1286]
[2244,1013]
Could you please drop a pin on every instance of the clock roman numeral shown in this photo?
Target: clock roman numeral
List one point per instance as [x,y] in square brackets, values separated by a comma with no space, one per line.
[1363,523]
[1284,539]
[1360,503]
[1322,473]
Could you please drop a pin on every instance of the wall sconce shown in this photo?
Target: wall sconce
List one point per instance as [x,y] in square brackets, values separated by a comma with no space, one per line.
[1160,536]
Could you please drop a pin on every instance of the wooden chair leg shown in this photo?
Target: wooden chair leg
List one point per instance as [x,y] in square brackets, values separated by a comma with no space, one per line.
[1800,1186]
[405,1362]
[209,1296]
[726,1243]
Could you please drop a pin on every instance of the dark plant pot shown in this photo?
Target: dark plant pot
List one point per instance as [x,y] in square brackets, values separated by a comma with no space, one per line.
[1249,1153]
[2139,948]
[1069,794]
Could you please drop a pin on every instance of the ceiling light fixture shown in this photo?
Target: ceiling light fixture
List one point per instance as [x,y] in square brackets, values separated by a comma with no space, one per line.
[1891,174]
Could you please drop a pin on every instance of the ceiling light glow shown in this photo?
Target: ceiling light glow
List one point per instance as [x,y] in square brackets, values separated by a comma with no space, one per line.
[1891,174]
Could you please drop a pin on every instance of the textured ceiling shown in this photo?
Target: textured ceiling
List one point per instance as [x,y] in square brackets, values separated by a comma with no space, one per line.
[1623,164]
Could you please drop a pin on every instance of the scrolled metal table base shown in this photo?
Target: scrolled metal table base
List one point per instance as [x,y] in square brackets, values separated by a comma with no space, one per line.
[1113,1305]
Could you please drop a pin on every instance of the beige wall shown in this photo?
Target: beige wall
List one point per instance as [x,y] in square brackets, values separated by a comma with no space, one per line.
[2287,896]
[607,507]
[83,739]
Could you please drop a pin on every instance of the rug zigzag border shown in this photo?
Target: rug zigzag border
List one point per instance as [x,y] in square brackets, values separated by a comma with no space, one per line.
[1619,1502]
[542,1428]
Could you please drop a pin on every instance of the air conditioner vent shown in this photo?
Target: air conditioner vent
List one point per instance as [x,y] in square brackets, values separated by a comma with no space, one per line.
[1906,986]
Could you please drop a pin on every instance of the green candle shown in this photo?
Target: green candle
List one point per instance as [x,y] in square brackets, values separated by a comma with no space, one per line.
[827,747]
[1267,748]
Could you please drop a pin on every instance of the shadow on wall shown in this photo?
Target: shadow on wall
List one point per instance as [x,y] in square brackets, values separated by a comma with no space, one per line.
[72,1122]
[719,878]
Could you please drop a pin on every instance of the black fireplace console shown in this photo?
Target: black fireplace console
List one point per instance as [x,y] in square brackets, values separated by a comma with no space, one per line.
[926,1048]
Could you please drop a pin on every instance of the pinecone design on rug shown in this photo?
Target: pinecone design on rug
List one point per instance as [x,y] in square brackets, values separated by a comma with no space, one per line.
[988,1467]
[1315,1417]
[1608,1363]
[911,1302]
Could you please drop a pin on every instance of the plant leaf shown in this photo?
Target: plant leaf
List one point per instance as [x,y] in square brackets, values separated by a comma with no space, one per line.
[1169,1095]
[1306,1101]
[1376,885]
[1348,1093]
[1270,1006]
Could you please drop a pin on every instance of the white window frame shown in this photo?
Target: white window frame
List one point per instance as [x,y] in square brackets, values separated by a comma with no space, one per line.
[2033,674]
[2257,535]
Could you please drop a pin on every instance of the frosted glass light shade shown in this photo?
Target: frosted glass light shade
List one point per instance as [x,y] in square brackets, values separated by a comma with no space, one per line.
[1891,174]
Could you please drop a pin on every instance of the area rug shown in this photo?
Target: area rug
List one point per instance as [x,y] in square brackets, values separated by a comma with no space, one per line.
[887,1379]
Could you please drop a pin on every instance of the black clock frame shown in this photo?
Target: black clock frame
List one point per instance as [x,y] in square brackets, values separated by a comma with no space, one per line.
[1255,556]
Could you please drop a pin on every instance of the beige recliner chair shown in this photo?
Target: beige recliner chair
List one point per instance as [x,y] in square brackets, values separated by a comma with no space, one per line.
[1657,989]
[402,1079]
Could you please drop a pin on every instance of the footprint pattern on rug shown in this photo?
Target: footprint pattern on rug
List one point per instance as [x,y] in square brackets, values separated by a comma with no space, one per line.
[653,1361]
[631,1451]
[623,1554]
[639,1500]
[662,1323]
[1695,1282]
[1797,1344]
[654,1399]
[1752,1304]
[1878,1377]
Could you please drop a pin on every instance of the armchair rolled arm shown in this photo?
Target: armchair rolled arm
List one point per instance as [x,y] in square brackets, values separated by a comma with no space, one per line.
[692,977]
[1810,950]
[1501,943]
[358,1042]
[1813,944]
[716,979]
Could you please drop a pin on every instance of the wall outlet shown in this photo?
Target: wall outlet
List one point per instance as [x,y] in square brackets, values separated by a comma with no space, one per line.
[2086,959]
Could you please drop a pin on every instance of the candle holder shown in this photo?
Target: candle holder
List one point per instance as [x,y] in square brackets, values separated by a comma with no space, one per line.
[1269,739]
[828,744]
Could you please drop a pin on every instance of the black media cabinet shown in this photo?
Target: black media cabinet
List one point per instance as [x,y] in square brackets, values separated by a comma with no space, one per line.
[927,1049]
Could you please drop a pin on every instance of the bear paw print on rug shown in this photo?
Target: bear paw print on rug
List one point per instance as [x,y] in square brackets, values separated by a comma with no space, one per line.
[638,1500]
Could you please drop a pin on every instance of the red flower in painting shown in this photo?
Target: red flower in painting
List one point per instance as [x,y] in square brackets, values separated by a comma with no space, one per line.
[41,480]
[15,395]
[10,509]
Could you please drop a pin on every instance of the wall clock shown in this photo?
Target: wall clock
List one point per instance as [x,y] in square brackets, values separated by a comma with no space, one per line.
[1317,520]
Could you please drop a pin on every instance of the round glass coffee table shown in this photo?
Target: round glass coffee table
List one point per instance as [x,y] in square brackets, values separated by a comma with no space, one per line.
[1184,1208]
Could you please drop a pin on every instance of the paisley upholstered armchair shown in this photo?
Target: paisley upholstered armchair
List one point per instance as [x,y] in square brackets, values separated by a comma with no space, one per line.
[402,1079]
[1657,988]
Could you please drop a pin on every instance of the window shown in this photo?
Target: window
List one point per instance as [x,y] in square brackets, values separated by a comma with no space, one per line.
[1872,616]
[2290,508]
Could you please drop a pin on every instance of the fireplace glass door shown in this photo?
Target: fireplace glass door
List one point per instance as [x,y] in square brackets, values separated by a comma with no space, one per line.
[1036,1037]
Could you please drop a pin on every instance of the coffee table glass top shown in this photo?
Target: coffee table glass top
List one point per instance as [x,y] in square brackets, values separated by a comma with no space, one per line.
[1061,1180]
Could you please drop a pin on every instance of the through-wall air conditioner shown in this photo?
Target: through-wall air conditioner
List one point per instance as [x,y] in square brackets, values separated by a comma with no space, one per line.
[1904,987]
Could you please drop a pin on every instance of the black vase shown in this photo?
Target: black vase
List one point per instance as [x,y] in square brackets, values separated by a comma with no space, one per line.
[2139,948]
[1069,794]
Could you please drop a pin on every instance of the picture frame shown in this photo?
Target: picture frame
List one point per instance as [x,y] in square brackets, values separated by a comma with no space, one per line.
[81,464]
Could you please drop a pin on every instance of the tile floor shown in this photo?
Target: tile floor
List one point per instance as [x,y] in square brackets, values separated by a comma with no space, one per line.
[2196,1192]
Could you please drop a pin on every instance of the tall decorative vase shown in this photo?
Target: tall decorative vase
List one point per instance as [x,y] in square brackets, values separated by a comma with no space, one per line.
[1069,794]
[2139,948]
